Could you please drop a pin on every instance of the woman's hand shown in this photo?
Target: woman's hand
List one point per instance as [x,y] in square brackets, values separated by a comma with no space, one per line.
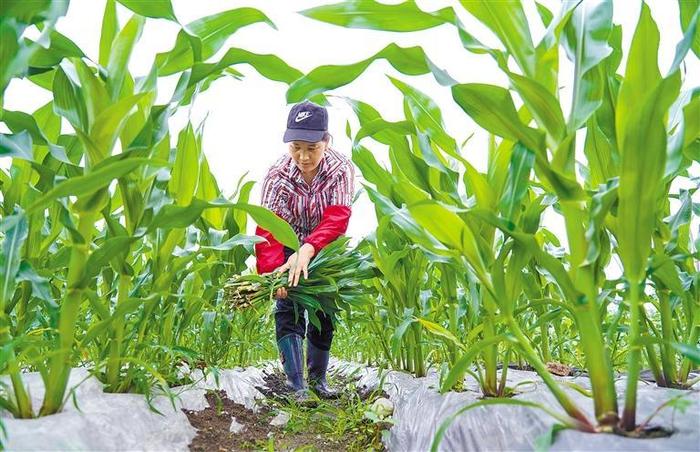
[298,263]
[281,291]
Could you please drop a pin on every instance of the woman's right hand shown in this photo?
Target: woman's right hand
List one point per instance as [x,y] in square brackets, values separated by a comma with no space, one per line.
[281,291]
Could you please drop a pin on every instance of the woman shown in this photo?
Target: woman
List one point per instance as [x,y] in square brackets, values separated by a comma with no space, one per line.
[312,189]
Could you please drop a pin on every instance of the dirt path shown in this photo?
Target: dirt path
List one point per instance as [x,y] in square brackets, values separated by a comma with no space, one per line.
[332,425]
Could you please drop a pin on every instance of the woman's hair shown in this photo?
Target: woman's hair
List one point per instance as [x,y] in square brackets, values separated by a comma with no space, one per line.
[328,138]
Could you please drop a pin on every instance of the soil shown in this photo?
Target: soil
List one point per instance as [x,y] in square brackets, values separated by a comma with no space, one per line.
[213,433]
[277,389]
[525,367]
[559,369]
[213,423]
[648,432]
[556,368]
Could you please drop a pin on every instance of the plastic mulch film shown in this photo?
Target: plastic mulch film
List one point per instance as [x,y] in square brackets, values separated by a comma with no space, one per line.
[419,409]
[239,384]
[107,421]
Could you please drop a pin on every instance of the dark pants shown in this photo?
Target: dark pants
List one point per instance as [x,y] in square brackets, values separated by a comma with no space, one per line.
[286,323]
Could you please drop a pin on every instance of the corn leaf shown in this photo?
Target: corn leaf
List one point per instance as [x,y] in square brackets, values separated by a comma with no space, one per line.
[60,47]
[460,367]
[492,108]
[689,351]
[427,116]
[642,135]
[93,181]
[68,100]
[543,106]
[41,287]
[269,66]
[157,9]
[688,9]
[599,153]
[368,14]
[113,247]
[110,28]
[185,174]
[451,230]
[441,331]
[212,32]
[17,146]
[19,122]
[507,20]
[208,189]
[585,40]
[110,122]
[15,230]
[119,55]
[408,61]
[518,182]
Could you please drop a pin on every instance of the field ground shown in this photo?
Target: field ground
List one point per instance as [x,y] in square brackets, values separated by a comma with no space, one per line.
[203,416]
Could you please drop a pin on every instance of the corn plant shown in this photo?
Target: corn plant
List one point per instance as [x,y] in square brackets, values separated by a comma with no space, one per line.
[400,302]
[113,247]
[609,204]
[674,275]
[407,171]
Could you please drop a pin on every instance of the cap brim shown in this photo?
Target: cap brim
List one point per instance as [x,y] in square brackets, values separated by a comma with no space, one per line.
[303,135]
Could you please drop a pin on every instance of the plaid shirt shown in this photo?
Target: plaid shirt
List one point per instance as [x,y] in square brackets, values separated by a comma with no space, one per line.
[319,213]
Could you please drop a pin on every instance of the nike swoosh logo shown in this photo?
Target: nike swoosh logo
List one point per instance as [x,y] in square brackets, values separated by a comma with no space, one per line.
[301,116]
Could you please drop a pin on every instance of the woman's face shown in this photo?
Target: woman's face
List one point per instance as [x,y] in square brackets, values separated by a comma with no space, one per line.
[307,155]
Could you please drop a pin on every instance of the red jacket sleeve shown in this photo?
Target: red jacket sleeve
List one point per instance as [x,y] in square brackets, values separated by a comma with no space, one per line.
[270,255]
[334,223]
[335,218]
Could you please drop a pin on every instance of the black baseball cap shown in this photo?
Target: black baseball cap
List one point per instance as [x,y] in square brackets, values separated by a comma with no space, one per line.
[307,121]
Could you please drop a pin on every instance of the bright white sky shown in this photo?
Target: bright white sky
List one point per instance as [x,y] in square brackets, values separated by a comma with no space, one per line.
[246,119]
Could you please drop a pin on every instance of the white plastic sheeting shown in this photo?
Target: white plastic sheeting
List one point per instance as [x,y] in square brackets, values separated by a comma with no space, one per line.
[239,383]
[124,421]
[419,409]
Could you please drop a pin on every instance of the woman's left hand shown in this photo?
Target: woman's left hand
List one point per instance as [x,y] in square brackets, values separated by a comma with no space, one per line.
[298,263]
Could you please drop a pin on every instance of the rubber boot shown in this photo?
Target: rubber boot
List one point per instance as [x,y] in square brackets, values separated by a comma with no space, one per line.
[317,363]
[292,357]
